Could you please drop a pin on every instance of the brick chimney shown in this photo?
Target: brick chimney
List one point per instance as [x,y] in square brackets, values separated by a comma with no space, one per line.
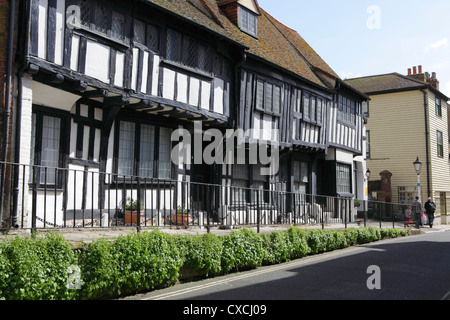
[433,81]
[417,73]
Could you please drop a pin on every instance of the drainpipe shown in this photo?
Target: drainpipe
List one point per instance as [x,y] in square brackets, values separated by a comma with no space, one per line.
[427,134]
[7,114]
[14,217]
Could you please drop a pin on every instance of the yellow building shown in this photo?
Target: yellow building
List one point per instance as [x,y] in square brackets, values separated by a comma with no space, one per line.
[408,118]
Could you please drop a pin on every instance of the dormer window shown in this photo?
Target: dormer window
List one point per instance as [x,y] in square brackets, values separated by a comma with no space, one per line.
[248,21]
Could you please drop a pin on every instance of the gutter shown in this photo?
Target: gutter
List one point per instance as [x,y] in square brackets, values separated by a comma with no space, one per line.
[427,134]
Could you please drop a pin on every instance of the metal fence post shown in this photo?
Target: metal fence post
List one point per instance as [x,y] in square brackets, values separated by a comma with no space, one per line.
[258,211]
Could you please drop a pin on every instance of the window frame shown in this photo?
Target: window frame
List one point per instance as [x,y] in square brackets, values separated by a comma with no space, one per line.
[91,27]
[438,102]
[136,157]
[347,110]
[261,99]
[36,144]
[312,106]
[179,54]
[247,15]
[440,143]
[349,186]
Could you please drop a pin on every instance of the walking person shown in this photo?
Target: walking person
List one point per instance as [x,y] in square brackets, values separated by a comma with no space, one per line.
[417,212]
[430,209]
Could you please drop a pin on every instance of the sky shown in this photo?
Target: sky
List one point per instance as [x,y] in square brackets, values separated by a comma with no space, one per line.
[362,38]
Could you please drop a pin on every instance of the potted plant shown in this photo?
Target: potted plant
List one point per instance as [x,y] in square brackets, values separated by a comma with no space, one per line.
[181,216]
[131,211]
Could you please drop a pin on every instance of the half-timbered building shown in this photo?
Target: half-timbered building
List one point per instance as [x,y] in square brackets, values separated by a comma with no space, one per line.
[101,87]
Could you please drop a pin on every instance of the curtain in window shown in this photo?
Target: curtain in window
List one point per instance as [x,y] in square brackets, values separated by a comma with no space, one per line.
[126,148]
[147,154]
[51,132]
[165,147]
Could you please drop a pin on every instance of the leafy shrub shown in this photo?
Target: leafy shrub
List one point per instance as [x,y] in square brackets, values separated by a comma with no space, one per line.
[36,269]
[351,236]
[202,253]
[277,247]
[299,242]
[242,250]
[99,271]
[130,264]
[40,268]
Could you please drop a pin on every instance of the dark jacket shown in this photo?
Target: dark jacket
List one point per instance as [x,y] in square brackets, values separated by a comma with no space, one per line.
[429,207]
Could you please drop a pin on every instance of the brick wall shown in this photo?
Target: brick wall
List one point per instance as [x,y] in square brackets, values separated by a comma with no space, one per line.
[231,10]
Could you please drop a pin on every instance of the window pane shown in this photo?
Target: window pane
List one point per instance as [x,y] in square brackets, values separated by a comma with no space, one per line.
[85,12]
[259,94]
[204,58]
[126,148]
[147,151]
[152,37]
[189,52]
[343,178]
[276,99]
[101,18]
[51,132]
[173,45]
[117,26]
[165,147]
[268,97]
[306,106]
[313,109]
[139,32]
[319,110]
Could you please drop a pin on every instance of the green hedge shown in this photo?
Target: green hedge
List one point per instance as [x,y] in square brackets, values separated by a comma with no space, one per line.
[48,268]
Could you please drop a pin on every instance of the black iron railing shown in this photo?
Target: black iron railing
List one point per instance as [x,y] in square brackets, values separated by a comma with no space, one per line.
[46,198]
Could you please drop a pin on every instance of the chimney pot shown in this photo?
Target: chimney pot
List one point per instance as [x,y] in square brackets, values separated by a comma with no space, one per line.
[415,70]
[420,69]
[409,71]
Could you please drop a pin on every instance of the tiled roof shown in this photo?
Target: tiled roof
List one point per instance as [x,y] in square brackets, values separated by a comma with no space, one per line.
[276,43]
[384,82]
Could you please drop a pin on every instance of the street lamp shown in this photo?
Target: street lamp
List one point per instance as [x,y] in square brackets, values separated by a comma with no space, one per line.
[418,168]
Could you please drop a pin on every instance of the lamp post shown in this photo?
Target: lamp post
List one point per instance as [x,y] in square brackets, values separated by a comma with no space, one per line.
[418,168]
[366,205]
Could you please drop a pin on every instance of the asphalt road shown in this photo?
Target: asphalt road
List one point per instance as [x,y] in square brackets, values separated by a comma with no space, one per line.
[411,268]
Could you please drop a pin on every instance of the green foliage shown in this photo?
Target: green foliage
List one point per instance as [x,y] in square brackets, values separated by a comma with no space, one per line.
[35,269]
[129,265]
[43,267]
[202,253]
[299,242]
[242,250]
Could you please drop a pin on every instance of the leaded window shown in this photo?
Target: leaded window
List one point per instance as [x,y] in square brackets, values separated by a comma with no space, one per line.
[101,20]
[188,51]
